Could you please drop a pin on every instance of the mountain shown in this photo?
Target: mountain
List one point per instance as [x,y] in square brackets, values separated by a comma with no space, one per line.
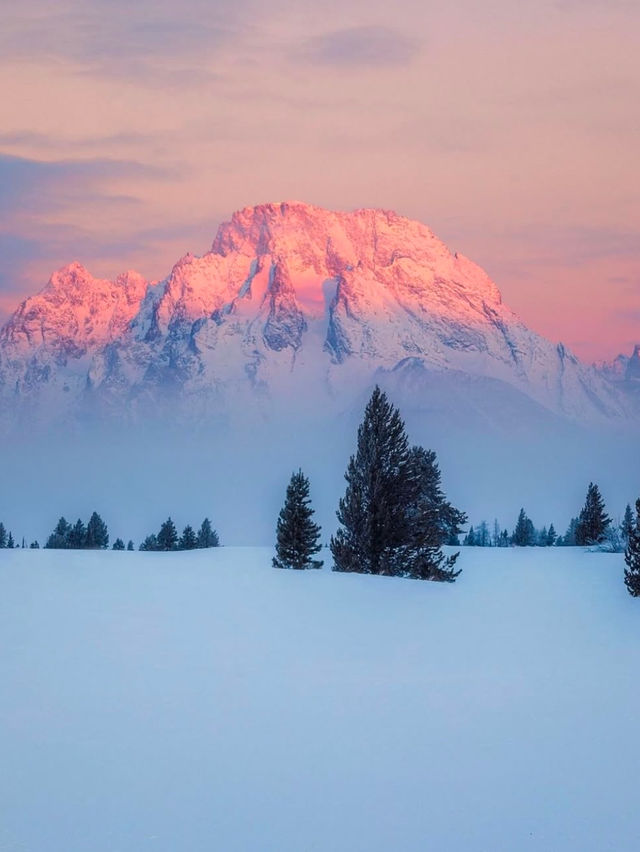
[292,305]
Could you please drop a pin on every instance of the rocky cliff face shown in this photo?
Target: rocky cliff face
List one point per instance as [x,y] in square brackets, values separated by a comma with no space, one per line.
[292,301]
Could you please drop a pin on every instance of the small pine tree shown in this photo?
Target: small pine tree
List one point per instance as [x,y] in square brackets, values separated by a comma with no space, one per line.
[593,520]
[632,557]
[296,533]
[10,542]
[552,536]
[524,534]
[168,536]
[150,543]
[118,544]
[97,533]
[207,536]
[130,545]
[626,526]
[470,538]
[3,536]
[188,539]
[34,545]
[59,538]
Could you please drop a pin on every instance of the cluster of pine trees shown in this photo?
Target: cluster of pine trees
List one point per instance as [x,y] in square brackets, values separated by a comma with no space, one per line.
[168,539]
[93,535]
[394,517]
[524,535]
[6,538]
[591,527]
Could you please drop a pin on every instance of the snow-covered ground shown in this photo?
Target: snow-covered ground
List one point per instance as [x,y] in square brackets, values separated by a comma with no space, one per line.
[205,701]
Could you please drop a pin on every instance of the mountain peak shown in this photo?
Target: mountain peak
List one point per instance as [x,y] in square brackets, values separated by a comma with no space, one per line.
[290,295]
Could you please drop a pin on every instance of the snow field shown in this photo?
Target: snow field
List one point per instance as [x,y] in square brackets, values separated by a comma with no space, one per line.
[205,701]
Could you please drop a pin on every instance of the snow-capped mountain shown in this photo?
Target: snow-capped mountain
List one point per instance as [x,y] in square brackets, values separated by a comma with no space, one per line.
[292,302]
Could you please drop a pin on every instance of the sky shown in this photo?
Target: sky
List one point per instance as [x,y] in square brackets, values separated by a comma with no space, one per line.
[131,130]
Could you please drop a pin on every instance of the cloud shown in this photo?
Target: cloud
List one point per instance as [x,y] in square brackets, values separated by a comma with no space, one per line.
[149,40]
[36,186]
[360,47]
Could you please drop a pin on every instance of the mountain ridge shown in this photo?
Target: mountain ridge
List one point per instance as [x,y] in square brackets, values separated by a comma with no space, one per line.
[289,297]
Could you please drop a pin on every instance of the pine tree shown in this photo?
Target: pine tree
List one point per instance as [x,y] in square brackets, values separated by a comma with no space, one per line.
[3,536]
[118,544]
[10,542]
[77,538]
[379,487]
[188,540]
[130,545]
[552,536]
[297,535]
[207,536]
[394,516]
[97,533]
[34,545]
[632,557]
[625,527]
[167,538]
[593,520]
[421,557]
[150,543]
[59,538]
[524,534]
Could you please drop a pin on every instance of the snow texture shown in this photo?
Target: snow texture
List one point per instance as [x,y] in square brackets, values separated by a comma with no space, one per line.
[207,701]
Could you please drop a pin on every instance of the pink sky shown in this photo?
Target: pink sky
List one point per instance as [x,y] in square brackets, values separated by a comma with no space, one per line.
[512,129]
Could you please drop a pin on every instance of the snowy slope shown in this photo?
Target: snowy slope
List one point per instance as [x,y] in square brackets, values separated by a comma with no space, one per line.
[292,303]
[206,701]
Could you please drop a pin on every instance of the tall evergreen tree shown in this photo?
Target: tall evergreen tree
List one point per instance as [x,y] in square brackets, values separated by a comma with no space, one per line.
[552,536]
[188,540]
[3,536]
[297,535]
[97,533]
[379,487]
[393,516]
[627,524]
[593,520]
[77,536]
[632,557]
[167,538]
[207,536]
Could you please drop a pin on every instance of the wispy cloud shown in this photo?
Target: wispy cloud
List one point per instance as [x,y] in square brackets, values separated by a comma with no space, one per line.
[38,186]
[151,40]
[360,47]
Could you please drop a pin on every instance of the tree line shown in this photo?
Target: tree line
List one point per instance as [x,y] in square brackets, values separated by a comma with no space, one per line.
[167,537]
[94,535]
[592,527]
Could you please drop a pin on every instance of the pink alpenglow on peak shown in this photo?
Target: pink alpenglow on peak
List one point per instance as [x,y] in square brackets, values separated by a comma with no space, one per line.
[290,299]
